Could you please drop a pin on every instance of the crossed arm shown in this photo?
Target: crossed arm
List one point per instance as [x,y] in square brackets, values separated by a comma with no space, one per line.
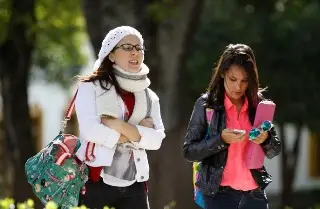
[110,131]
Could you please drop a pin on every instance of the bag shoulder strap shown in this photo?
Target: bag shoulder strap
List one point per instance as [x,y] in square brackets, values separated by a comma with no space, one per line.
[68,113]
[70,109]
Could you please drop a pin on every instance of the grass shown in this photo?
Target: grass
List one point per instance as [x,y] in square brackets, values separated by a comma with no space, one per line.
[9,203]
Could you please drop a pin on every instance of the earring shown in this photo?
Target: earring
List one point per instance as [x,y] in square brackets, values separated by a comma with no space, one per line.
[110,59]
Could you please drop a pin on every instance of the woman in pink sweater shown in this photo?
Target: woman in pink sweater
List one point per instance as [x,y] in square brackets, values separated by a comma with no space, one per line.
[234,94]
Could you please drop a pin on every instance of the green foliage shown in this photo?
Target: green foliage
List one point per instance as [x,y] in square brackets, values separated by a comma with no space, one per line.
[4,18]
[283,35]
[317,206]
[291,67]
[171,205]
[9,203]
[60,36]
[161,10]
[223,22]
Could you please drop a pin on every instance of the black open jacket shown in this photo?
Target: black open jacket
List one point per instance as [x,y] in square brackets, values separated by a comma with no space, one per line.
[213,152]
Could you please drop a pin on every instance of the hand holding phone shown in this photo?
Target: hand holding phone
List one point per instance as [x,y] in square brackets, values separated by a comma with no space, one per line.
[232,135]
[238,131]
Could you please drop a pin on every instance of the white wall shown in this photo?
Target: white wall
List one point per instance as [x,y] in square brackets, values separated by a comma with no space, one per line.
[54,100]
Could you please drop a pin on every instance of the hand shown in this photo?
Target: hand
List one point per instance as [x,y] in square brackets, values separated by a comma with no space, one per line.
[123,139]
[109,121]
[124,128]
[261,137]
[230,137]
[147,122]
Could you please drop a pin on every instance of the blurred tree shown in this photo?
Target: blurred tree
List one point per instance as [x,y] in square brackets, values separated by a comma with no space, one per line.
[15,61]
[295,87]
[168,27]
[283,35]
[46,35]
[59,49]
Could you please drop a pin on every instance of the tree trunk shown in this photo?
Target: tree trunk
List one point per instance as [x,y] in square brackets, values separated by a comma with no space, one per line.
[168,42]
[6,180]
[289,163]
[15,61]
[93,14]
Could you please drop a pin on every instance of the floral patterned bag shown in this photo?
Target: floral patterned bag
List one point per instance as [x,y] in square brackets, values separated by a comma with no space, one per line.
[54,173]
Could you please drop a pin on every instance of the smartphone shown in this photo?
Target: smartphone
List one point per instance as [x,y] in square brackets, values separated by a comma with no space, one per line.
[235,131]
[238,131]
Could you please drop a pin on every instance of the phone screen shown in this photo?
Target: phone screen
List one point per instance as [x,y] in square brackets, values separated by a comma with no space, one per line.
[238,131]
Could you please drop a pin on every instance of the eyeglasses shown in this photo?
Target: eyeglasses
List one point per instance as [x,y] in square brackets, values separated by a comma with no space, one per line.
[130,47]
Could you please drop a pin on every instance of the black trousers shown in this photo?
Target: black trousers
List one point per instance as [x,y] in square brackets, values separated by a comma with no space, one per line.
[228,198]
[98,194]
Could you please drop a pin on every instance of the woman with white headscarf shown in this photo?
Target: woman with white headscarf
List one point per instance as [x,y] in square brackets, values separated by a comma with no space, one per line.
[119,119]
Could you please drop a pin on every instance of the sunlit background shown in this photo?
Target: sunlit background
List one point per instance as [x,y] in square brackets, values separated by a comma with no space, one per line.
[45,43]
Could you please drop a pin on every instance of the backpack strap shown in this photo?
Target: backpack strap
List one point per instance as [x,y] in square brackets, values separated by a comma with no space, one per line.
[198,196]
[209,114]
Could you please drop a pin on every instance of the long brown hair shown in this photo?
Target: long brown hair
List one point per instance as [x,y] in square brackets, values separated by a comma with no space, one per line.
[104,74]
[241,55]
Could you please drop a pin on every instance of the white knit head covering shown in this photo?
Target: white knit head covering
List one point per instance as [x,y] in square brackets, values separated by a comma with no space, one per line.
[112,39]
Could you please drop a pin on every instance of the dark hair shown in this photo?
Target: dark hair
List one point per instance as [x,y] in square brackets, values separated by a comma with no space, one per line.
[241,55]
[104,74]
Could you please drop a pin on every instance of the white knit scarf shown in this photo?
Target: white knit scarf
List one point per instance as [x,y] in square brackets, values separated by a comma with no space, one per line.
[109,102]
[132,82]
